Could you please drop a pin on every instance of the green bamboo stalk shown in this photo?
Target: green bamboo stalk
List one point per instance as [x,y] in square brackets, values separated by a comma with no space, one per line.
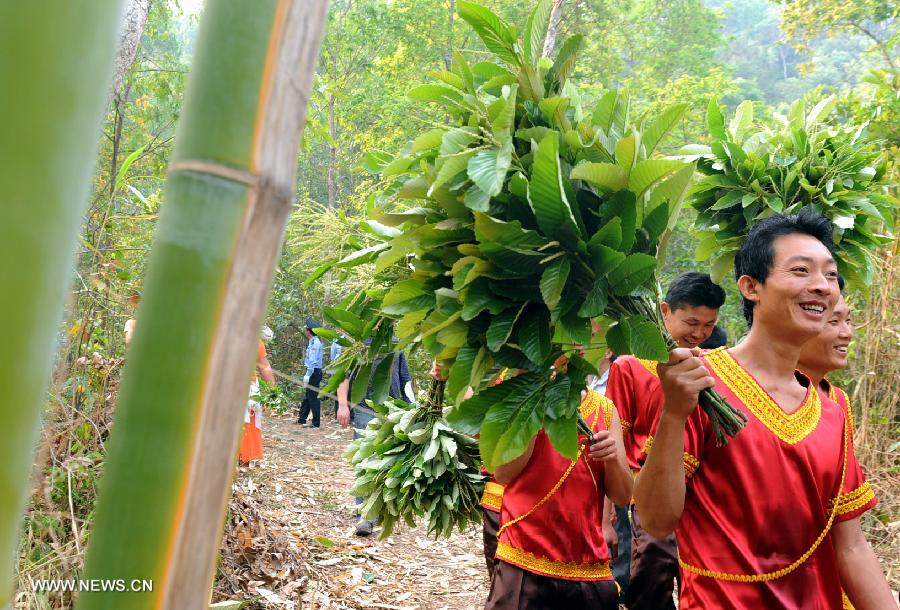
[56,60]
[231,184]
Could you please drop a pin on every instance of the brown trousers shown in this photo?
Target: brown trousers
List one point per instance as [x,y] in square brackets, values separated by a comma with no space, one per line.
[489,535]
[654,568]
[513,588]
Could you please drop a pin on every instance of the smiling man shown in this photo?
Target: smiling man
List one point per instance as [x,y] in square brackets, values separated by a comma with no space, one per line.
[690,311]
[771,520]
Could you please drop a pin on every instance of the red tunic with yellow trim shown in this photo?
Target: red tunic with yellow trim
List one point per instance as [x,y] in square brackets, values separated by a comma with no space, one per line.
[551,516]
[492,498]
[756,508]
[635,390]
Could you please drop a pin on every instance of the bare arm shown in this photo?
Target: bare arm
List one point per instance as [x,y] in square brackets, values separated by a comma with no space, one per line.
[265,369]
[660,488]
[343,394]
[617,479]
[609,528]
[861,574]
[506,473]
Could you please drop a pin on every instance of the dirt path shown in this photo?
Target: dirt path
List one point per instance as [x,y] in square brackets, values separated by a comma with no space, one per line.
[290,538]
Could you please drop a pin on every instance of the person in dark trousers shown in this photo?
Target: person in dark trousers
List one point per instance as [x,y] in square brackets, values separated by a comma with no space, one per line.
[361,414]
[312,379]
[718,338]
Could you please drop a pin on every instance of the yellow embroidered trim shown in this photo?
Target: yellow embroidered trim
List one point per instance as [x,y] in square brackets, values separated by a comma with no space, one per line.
[790,428]
[854,500]
[650,365]
[691,464]
[608,407]
[833,395]
[549,567]
[491,501]
[802,559]
[648,444]
[626,426]
[845,602]
[588,407]
[493,496]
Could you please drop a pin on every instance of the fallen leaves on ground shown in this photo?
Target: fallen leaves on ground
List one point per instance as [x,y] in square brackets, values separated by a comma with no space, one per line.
[290,544]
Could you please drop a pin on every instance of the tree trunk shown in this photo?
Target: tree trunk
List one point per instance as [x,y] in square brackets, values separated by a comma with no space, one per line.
[448,55]
[133,23]
[228,197]
[332,145]
[553,28]
[56,59]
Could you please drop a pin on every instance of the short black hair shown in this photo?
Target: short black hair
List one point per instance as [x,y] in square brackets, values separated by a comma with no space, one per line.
[757,254]
[718,338]
[841,283]
[694,289]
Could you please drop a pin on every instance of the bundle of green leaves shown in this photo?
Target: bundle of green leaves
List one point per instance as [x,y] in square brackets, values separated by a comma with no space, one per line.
[509,225]
[411,465]
[807,162]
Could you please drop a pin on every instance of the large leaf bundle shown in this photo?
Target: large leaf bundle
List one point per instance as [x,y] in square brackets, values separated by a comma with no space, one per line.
[806,162]
[410,465]
[503,231]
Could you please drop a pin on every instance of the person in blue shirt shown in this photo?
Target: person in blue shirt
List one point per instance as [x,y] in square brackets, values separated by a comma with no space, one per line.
[313,378]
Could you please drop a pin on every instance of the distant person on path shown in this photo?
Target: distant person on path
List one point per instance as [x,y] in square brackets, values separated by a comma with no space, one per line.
[251,440]
[361,414]
[134,299]
[312,378]
[334,354]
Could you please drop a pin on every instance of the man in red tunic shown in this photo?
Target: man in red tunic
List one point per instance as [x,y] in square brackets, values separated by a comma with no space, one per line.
[771,520]
[551,553]
[690,311]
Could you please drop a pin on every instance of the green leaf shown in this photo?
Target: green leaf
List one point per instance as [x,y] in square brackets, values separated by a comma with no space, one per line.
[546,194]
[714,120]
[604,259]
[609,235]
[508,427]
[741,121]
[487,169]
[381,378]
[623,205]
[646,174]
[477,297]
[126,165]
[347,320]
[634,271]
[654,133]
[366,255]
[477,200]
[553,280]
[508,234]
[360,383]
[673,191]
[461,372]
[407,296]
[441,94]
[501,327]
[536,30]
[618,337]
[656,221]
[498,36]
[563,434]
[317,273]
[468,416]
[565,62]
[502,114]
[611,112]
[721,266]
[596,300]
[607,176]
[729,199]
[429,140]
[647,340]
[626,153]
[534,334]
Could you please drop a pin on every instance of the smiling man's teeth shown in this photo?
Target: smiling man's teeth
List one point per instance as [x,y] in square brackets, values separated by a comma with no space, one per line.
[814,308]
[842,349]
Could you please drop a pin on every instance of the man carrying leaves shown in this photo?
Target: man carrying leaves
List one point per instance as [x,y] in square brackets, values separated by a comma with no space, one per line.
[551,552]
[770,520]
[690,311]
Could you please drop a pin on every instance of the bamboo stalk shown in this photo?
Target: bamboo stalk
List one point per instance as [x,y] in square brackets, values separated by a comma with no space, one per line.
[231,184]
[56,60]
